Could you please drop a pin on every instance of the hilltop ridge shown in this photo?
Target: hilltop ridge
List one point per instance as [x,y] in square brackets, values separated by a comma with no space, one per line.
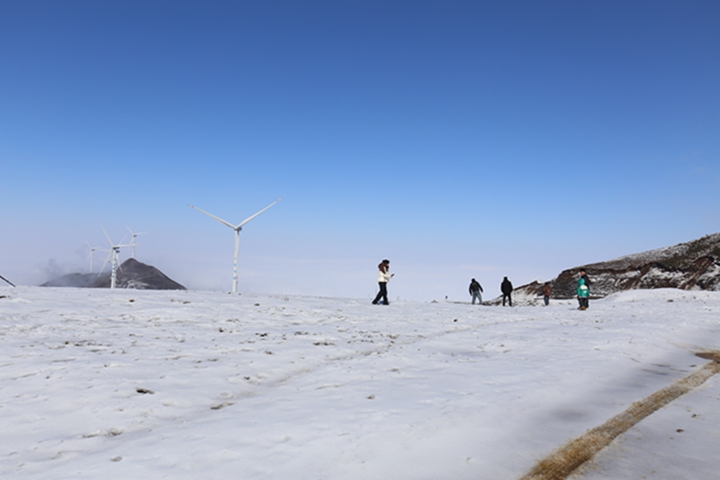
[693,265]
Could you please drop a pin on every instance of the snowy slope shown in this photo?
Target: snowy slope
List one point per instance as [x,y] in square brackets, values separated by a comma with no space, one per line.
[184,385]
[692,265]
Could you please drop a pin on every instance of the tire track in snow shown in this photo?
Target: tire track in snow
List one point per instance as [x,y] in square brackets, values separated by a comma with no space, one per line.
[568,458]
[390,341]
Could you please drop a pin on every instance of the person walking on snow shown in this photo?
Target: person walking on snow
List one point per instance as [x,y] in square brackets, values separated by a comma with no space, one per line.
[475,290]
[383,277]
[583,294]
[547,291]
[506,288]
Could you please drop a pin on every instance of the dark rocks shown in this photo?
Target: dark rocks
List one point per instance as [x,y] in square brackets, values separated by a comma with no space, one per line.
[693,265]
[688,266]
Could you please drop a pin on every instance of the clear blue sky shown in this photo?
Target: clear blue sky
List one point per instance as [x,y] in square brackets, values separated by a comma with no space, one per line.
[457,138]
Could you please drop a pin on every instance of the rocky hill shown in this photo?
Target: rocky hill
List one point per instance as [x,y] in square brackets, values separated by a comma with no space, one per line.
[131,274]
[688,266]
[693,265]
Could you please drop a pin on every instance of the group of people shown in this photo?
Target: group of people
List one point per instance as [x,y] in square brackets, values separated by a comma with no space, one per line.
[505,287]
[583,291]
[476,290]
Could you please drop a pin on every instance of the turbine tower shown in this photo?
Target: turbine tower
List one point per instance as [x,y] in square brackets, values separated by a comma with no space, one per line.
[114,251]
[92,254]
[237,229]
[134,236]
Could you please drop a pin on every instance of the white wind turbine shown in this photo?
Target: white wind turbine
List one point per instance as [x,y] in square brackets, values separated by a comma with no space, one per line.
[134,236]
[237,229]
[114,251]
[92,254]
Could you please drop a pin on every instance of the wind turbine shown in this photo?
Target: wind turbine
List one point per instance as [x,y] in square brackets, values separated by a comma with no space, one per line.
[92,254]
[114,251]
[237,229]
[134,236]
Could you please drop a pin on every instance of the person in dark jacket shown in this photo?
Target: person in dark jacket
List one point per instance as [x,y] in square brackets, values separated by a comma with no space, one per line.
[547,291]
[506,288]
[475,290]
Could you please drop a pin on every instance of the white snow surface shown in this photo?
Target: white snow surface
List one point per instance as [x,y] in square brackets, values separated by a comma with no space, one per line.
[120,384]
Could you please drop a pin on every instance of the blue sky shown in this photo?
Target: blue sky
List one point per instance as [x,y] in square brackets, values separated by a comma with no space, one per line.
[458,139]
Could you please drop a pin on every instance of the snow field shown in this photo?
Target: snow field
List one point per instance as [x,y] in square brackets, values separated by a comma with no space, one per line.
[212,385]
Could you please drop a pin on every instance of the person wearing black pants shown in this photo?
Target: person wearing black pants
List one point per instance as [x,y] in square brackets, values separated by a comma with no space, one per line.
[384,276]
[506,288]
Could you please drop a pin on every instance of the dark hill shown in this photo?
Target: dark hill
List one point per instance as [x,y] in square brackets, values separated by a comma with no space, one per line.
[131,274]
[692,265]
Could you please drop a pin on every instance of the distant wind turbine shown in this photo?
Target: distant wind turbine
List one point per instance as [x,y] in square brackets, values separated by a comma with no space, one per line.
[92,254]
[114,251]
[237,229]
[134,236]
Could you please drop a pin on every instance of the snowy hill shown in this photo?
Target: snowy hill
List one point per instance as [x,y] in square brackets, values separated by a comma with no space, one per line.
[119,384]
[692,265]
[688,266]
[131,274]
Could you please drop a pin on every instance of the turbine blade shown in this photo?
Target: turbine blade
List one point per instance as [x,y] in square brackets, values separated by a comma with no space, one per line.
[213,216]
[107,259]
[106,234]
[258,213]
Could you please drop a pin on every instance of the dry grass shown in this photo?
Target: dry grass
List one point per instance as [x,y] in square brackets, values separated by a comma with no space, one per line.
[565,460]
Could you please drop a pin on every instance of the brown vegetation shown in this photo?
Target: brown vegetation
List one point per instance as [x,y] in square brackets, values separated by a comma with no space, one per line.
[565,460]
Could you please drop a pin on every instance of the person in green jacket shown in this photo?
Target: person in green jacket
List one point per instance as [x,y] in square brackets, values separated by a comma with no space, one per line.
[583,294]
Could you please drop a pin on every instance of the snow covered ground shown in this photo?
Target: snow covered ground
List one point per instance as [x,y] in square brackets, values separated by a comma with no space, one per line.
[186,385]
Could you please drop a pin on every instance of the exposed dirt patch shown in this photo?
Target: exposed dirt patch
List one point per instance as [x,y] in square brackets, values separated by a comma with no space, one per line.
[565,460]
[715,356]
